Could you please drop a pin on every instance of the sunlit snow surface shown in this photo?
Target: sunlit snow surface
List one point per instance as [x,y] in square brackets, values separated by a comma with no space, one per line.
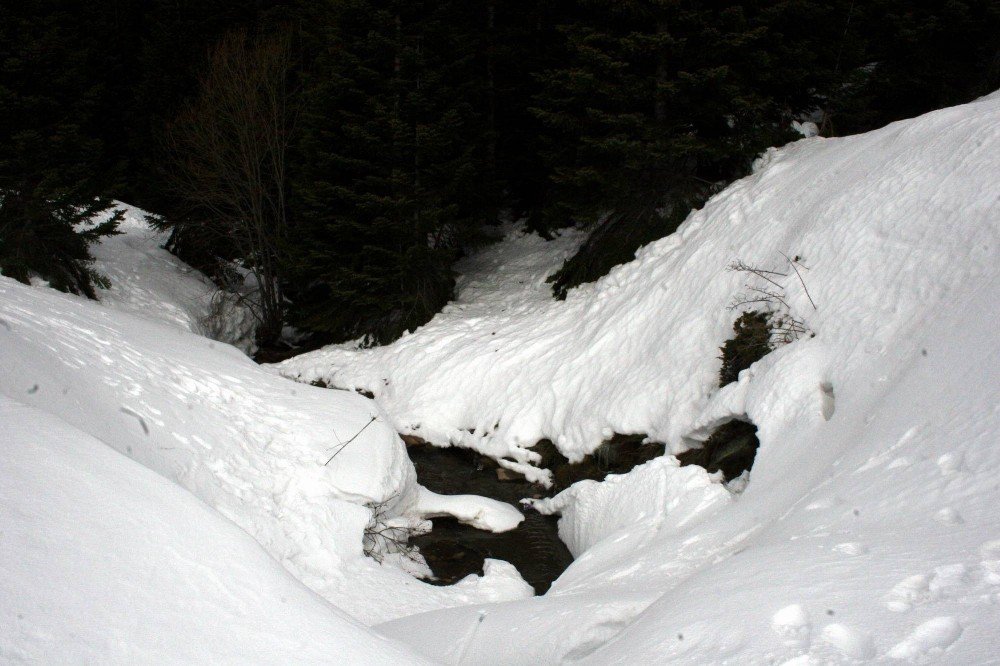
[869,529]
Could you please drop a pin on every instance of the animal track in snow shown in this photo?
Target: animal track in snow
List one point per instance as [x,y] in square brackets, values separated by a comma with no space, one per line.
[851,642]
[921,588]
[947,579]
[909,592]
[990,552]
[928,640]
[792,625]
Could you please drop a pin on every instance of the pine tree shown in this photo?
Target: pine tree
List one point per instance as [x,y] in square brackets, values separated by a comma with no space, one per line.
[899,60]
[658,105]
[392,166]
[51,164]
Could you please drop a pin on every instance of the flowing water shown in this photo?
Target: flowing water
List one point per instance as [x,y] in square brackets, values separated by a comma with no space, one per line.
[454,550]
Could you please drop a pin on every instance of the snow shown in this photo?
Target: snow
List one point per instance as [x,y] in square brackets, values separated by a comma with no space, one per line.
[870,509]
[148,281]
[610,515]
[103,561]
[480,512]
[637,351]
[866,531]
[303,470]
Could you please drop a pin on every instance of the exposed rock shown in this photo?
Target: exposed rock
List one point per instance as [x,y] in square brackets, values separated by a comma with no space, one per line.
[413,440]
[731,448]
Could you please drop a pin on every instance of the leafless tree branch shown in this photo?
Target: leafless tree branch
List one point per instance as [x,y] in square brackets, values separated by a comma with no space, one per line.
[228,152]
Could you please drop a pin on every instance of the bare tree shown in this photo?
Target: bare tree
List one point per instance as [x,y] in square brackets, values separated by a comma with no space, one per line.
[228,160]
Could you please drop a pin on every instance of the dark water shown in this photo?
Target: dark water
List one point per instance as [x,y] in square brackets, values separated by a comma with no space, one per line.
[453,550]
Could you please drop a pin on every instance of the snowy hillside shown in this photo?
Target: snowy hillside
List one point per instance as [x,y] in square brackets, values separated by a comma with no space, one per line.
[868,529]
[887,224]
[149,281]
[301,469]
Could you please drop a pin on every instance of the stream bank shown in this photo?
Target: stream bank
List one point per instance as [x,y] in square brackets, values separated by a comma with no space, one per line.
[453,550]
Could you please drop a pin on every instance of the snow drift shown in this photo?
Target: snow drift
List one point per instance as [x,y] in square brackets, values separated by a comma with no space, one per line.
[305,471]
[104,561]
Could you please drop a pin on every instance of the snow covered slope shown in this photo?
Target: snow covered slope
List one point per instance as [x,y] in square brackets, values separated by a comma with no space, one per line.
[148,281]
[256,447]
[103,561]
[868,530]
[887,223]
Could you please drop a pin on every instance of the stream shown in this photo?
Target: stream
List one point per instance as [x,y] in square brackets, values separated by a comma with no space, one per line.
[453,550]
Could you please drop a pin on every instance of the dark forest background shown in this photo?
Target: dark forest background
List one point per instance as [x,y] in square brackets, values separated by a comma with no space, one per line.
[347,152]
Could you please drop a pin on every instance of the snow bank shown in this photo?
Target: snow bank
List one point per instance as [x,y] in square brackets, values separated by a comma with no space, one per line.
[615,511]
[275,457]
[148,281]
[105,561]
[873,217]
[480,512]
[871,507]
[879,525]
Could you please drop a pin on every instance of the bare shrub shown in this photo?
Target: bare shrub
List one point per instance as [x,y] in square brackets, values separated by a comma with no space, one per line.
[764,293]
[384,536]
[228,161]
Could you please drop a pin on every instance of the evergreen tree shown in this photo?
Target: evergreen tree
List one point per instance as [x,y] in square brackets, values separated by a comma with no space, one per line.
[53,168]
[660,104]
[391,183]
[899,60]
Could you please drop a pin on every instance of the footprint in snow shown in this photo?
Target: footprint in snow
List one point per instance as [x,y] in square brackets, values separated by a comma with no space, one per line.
[949,516]
[792,625]
[947,579]
[928,640]
[909,592]
[851,642]
[990,552]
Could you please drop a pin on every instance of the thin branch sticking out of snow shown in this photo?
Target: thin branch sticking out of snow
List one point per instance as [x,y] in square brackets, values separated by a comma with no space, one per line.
[344,445]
